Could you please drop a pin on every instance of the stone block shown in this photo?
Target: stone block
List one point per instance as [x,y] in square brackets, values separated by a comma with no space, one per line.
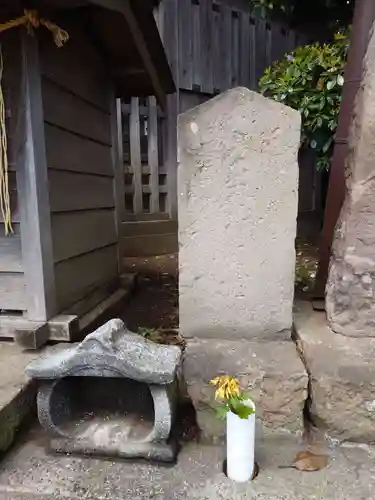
[237,189]
[28,334]
[63,327]
[342,374]
[272,372]
[350,301]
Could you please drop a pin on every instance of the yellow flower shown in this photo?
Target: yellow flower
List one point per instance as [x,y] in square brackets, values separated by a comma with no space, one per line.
[226,387]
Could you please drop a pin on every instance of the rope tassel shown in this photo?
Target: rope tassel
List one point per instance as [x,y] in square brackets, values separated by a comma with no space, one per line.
[4,167]
[31,21]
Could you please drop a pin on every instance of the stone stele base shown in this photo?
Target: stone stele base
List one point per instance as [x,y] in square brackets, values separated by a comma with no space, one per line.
[272,372]
[112,395]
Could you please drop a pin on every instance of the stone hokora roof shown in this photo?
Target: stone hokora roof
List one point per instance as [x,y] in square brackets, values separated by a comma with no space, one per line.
[111,351]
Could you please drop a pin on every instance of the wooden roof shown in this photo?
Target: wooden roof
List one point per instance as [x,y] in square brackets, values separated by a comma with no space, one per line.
[125,31]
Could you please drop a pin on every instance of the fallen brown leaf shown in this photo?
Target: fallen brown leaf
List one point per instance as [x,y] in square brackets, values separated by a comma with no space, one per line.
[308,461]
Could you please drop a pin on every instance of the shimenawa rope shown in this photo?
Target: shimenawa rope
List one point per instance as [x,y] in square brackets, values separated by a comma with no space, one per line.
[31,21]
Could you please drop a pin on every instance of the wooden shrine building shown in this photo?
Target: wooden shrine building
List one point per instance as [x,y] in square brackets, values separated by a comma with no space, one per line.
[62,125]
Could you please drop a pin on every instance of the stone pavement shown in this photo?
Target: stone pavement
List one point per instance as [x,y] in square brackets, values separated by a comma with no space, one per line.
[17,392]
[28,473]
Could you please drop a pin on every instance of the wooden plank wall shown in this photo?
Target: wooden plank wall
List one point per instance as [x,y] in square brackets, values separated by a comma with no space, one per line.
[223,44]
[211,45]
[78,147]
[12,280]
[148,229]
[145,174]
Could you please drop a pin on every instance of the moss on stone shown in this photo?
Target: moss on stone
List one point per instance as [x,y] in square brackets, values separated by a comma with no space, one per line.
[14,413]
[9,423]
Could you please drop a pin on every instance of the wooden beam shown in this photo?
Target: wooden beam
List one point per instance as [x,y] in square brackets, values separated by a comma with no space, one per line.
[153,154]
[135,154]
[124,8]
[118,170]
[171,42]
[32,181]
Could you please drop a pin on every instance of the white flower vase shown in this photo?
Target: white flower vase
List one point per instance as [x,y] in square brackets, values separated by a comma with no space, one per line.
[240,446]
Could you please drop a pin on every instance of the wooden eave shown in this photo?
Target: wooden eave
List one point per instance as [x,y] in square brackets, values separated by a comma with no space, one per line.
[124,30]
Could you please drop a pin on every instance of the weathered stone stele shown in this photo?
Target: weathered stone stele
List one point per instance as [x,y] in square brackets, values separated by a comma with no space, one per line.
[237,190]
[238,181]
[350,293]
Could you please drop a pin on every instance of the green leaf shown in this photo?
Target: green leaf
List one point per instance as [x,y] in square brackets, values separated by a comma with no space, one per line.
[240,409]
[221,411]
[310,79]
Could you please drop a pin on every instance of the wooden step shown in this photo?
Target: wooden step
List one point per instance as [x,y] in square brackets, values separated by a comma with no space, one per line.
[150,245]
[146,228]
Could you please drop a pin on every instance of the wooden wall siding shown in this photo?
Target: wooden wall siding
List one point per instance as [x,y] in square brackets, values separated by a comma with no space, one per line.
[12,88]
[76,100]
[222,45]
[72,191]
[13,292]
[66,69]
[67,111]
[11,252]
[12,279]
[89,157]
[145,177]
[76,233]
[77,277]
[13,200]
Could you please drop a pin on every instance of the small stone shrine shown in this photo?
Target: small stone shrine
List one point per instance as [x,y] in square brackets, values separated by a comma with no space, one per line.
[111,395]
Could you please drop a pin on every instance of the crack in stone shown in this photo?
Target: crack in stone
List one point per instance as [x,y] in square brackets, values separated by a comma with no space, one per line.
[309,423]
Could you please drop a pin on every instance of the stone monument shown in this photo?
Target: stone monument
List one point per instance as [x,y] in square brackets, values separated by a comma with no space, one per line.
[238,194]
[350,298]
[340,356]
[111,395]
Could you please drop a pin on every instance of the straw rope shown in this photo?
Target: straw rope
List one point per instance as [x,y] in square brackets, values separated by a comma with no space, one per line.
[31,21]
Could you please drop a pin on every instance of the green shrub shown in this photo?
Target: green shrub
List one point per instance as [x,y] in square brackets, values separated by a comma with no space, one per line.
[310,79]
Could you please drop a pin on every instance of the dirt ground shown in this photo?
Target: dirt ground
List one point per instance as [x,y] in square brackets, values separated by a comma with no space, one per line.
[155,302]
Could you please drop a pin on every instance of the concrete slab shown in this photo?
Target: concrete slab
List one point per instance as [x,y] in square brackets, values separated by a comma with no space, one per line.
[17,392]
[28,473]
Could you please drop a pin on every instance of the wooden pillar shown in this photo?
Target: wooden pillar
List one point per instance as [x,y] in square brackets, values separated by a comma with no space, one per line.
[33,192]
[170,38]
[118,177]
[364,14]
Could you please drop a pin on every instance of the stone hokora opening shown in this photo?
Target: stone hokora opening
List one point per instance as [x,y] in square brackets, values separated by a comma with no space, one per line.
[106,412]
[112,395]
